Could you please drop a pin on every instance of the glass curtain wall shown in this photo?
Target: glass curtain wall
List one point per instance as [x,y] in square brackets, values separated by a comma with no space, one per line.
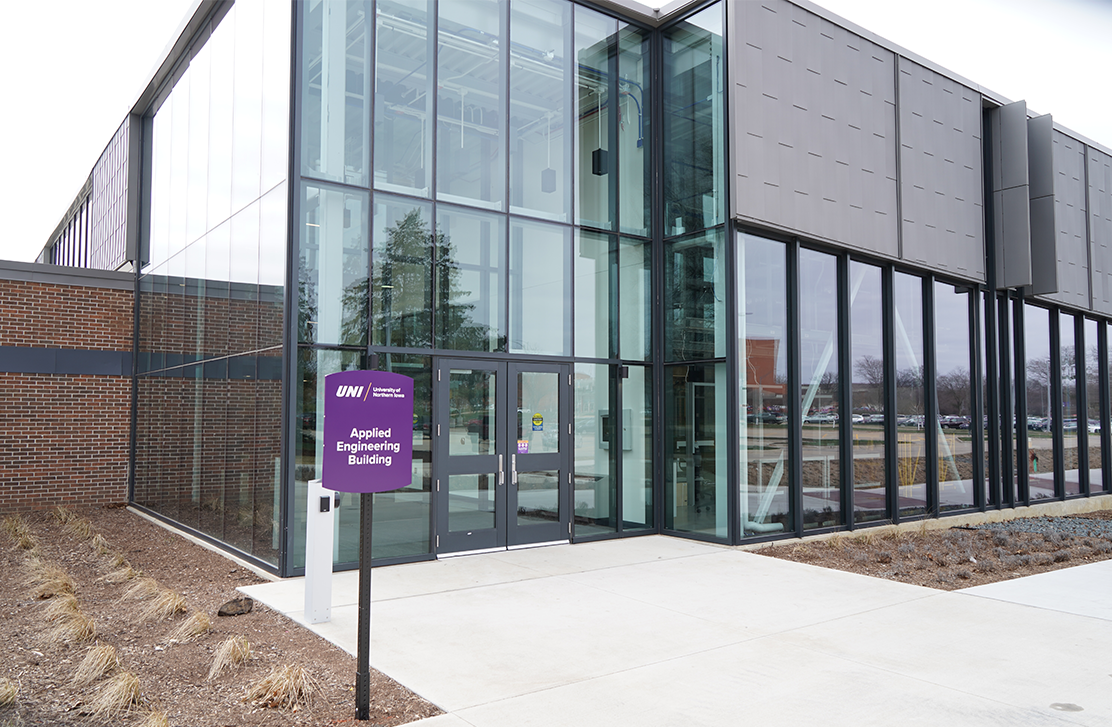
[912,432]
[694,124]
[954,394]
[867,402]
[212,286]
[1038,370]
[762,351]
[991,471]
[594,490]
[819,406]
[1074,426]
[405,51]
[695,266]
[461,233]
[1093,381]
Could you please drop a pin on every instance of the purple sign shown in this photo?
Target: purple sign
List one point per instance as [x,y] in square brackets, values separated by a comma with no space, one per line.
[368,431]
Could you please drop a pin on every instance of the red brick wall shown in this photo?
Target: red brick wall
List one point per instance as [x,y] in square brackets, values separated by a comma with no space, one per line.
[65,437]
[64,316]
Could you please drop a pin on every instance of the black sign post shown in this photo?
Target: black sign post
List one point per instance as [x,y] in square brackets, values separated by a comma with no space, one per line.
[368,448]
[363,658]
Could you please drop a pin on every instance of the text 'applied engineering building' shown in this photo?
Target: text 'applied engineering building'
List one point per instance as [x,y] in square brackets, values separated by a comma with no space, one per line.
[732,271]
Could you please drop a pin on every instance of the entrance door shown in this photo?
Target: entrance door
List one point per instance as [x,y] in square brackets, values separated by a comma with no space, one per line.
[502,464]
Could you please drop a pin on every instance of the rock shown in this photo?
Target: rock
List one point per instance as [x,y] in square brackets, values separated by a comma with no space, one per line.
[237,607]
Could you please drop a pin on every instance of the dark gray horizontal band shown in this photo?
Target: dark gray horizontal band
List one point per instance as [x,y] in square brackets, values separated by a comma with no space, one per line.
[29,360]
[63,275]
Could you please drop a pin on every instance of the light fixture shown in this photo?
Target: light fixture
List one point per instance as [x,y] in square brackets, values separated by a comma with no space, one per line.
[548,174]
[598,156]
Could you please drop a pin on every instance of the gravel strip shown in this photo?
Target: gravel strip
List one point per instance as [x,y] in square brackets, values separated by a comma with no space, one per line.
[1069,526]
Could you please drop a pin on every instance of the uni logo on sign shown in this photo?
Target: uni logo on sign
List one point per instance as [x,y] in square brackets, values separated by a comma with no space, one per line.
[354,392]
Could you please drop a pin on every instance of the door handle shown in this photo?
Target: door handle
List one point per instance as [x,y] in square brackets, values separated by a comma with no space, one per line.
[513,469]
[501,472]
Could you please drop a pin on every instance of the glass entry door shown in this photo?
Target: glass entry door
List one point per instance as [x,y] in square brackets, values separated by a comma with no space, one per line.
[502,454]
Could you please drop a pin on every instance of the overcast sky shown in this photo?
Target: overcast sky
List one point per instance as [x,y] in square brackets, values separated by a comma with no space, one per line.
[72,69]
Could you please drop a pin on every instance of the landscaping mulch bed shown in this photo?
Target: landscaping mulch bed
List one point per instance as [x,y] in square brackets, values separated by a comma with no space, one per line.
[961,557]
[172,675]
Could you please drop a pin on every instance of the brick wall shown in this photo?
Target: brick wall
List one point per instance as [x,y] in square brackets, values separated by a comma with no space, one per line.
[64,316]
[65,437]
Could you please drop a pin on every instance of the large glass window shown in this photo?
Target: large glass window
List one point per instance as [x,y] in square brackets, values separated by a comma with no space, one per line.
[1073,438]
[596,314]
[1092,404]
[540,103]
[695,298]
[401,273]
[333,266]
[594,490]
[866,306]
[1040,416]
[612,126]
[540,288]
[211,302]
[336,73]
[911,445]
[695,449]
[694,123]
[763,351]
[818,356]
[403,97]
[992,471]
[634,299]
[953,389]
[470,280]
[637,449]
[612,311]
[471,97]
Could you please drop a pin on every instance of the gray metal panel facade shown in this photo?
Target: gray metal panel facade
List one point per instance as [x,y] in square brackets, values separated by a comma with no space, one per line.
[815,140]
[1100,228]
[1010,195]
[1071,223]
[1044,230]
[941,169]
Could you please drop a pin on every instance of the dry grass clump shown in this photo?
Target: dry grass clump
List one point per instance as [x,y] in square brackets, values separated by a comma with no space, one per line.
[8,692]
[63,515]
[62,606]
[155,718]
[46,580]
[121,574]
[99,661]
[20,532]
[80,527]
[74,626]
[115,697]
[100,545]
[192,627]
[163,606]
[285,687]
[233,651]
[142,588]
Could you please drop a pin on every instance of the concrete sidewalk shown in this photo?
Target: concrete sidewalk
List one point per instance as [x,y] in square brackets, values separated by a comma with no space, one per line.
[662,631]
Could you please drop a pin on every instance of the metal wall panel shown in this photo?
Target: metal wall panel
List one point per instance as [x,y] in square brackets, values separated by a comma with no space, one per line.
[1010,195]
[1044,238]
[815,128]
[941,167]
[1100,228]
[1070,222]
